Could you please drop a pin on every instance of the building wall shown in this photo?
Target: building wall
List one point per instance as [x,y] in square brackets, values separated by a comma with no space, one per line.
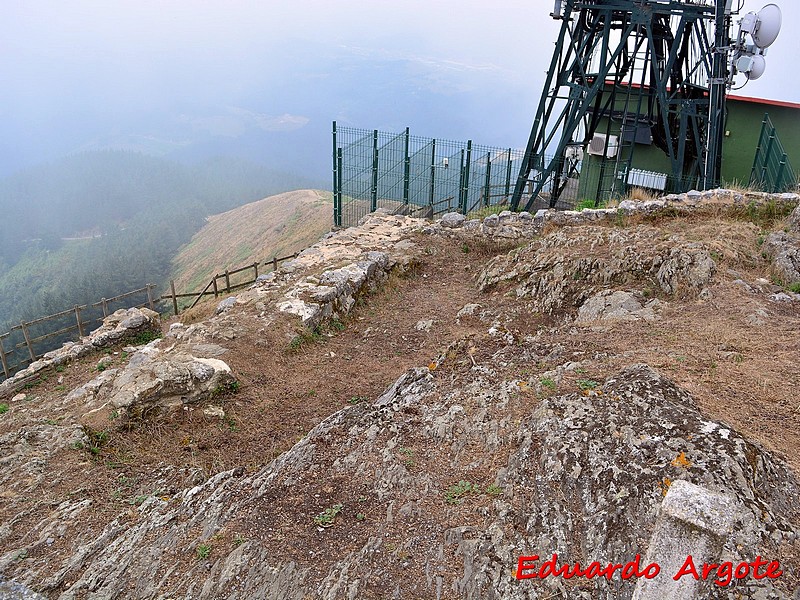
[743,128]
[742,131]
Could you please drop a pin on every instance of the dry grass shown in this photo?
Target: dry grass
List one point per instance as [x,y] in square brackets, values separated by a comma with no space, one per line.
[239,237]
[641,194]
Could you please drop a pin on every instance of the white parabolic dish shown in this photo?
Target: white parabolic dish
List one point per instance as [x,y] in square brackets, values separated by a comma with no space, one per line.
[768,27]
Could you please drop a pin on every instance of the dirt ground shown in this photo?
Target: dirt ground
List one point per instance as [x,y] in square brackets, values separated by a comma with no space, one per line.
[741,374]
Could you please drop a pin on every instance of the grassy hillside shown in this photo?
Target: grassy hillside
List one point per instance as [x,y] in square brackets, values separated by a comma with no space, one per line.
[276,226]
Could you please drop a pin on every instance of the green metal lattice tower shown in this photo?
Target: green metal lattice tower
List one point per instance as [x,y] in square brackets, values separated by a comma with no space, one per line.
[627,71]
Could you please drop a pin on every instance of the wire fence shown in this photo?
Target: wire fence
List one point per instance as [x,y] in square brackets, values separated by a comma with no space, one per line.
[426,177]
[416,175]
[772,171]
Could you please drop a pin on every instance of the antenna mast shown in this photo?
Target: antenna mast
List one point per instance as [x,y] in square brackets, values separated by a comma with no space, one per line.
[649,71]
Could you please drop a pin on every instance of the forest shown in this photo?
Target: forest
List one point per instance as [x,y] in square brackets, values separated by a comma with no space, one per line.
[99,224]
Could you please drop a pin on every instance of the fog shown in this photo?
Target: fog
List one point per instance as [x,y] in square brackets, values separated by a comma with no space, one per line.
[263,80]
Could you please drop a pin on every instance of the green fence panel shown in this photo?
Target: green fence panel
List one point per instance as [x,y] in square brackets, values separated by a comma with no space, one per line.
[405,173]
[772,171]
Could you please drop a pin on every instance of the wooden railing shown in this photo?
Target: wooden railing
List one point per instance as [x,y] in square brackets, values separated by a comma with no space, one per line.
[80,324]
[17,351]
[215,289]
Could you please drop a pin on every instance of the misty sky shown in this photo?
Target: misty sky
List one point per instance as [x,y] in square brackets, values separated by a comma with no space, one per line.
[186,78]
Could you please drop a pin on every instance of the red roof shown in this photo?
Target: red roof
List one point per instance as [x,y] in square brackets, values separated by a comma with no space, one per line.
[750,99]
[764,101]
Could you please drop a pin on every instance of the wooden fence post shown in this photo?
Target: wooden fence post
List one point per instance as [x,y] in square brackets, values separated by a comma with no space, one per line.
[201,294]
[28,341]
[4,361]
[227,282]
[174,297]
[105,307]
[78,319]
[216,290]
[255,268]
[274,263]
[150,287]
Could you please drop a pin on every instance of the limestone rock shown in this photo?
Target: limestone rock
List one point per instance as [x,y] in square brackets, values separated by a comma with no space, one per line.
[335,292]
[491,221]
[688,267]
[611,453]
[563,269]
[468,310]
[424,325]
[86,393]
[226,304]
[784,251]
[453,220]
[11,590]
[120,325]
[793,221]
[156,382]
[610,306]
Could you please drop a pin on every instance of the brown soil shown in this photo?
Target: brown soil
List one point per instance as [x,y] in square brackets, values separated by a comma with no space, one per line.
[741,374]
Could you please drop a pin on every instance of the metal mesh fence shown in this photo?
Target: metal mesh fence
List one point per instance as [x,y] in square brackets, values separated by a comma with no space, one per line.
[416,175]
[772,171]
[427,177]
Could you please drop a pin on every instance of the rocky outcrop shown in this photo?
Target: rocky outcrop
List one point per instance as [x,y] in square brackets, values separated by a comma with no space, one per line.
[610,453]
[122,325]
[511,225]
[334,293]
[155,382]
[610,307]
[566,267]
[793,221]
[783,249]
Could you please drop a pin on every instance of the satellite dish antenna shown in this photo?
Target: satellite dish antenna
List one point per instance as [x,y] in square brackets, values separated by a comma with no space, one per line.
[757,68]
[768,26]
[763,27]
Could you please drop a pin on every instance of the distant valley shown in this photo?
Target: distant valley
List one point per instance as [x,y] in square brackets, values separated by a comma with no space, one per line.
[136,210]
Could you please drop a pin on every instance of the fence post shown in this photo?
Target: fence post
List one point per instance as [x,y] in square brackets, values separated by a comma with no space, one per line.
[150,303]
[508,176]
[174,296]
[6,372]
[374,200]
[274,263]
[105,307]
[28,340]
[779,176]
[767,153]
[488,187]
[433,173]
[227,282]
[466,177]
[78,319]
[255,268]
[759,148]
[406,169]
[337,208]
[216,290]
[335,177]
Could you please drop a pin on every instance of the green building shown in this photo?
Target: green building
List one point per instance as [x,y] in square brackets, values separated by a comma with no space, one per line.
[747,130]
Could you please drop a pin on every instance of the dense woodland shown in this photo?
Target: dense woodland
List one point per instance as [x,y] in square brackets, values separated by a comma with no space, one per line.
[99,224]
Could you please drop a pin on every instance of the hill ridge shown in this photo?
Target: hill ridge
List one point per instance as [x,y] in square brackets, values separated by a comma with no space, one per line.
[235,237]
